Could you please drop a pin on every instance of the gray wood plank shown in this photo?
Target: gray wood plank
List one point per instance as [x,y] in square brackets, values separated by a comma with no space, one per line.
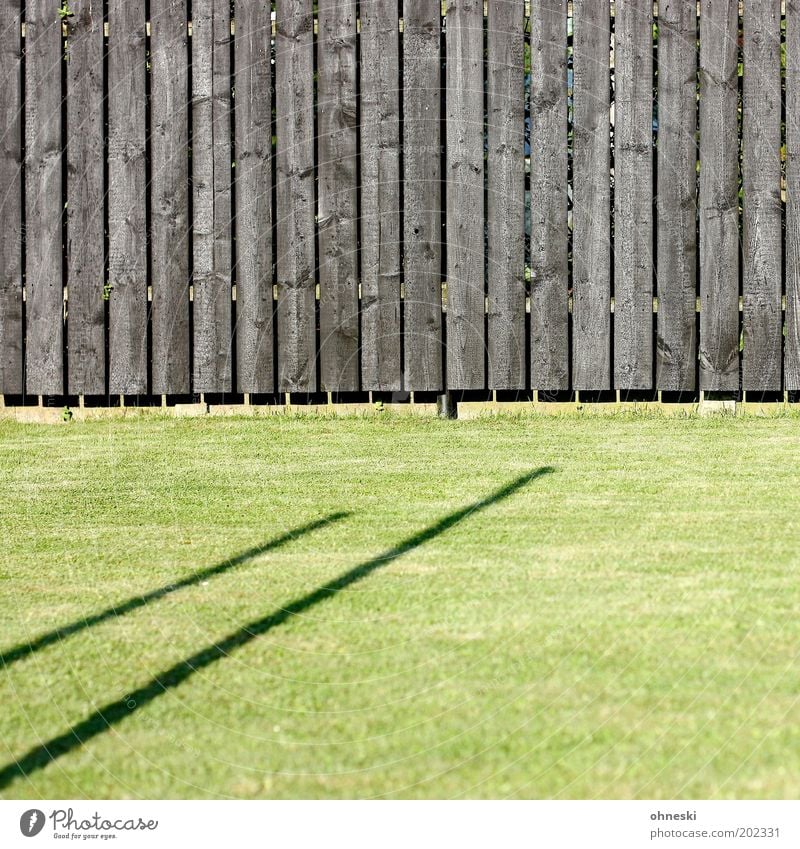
[761,171]
[719,205]
[253,175]
[505,206]
[465,208]
[676,343]
[127,218]
[294,90]
[792,354]
[212,180]
[11,331]
[422,222]
[86,354]
[548,197]
[337,114]
[591,313]
[43,203]
[381,367]
[169,197]
[633,196]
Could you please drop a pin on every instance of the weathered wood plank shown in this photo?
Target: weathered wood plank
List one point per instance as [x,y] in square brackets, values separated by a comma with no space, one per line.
[211,184]
[719,205]
[253,173]
[294,89]
[422,223]
[43,204]
[792,355]
[465,207]
[170,190]
[127,214]
[505,209]
[633,196]
[591,313]
[381,368]
[761,172]
[11,331]
[676,343]
[549,172]
[86,355]
[337,114]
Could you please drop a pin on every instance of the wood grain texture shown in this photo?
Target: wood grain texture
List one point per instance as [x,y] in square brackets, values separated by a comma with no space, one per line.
[719,205]
[170,190]
[422,223]
[505,207]
[549,173]
[86,354]
[337,115]
[792,353]
[676,343]
[43,202]
[633,196]
[762,358]
[127,213]
[381,367]
[294,64]
[211,185]
[253,173]
[465,207]
[11,329]
[591,313]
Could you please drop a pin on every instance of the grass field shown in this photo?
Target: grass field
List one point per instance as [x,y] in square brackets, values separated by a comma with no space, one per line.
[288,607]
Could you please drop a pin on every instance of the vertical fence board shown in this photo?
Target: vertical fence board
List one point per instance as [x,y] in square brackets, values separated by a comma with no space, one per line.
[505,208]
[294,60]
[86,356]
[253,173]
[761,172]
[337,113]
[422,228]
[127,213]
[633,196]
[549,173]
[211,184]
[719,205]
[11,202]
[792,355]
[591,313]
[380,197]
[676,345]
[43,204]
[169,197]
[465,224]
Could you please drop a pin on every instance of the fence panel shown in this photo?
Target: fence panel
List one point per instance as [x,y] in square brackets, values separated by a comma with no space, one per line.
[676,343]
[548,200]
[44,206]
[127,197]
[505,206]
[170,197]
[294,91]
[11,328]
[381,273]
[253,178]
[340,205]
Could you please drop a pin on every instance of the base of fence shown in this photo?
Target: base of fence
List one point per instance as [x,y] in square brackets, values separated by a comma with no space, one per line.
[446,406]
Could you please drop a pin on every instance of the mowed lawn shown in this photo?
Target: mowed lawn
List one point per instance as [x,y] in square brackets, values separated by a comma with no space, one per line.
[393,607]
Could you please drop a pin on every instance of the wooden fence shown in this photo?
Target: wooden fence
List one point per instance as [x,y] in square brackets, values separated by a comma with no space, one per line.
[206,196]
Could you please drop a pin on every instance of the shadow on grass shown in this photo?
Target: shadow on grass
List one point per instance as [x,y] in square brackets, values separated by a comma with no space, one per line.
[109,715]
[24,649]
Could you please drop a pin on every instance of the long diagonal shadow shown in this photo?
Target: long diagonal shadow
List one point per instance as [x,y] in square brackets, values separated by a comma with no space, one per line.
[115,611]
[109,715]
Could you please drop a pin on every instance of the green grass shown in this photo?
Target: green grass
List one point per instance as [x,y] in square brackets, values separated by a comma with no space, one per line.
[626,625]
